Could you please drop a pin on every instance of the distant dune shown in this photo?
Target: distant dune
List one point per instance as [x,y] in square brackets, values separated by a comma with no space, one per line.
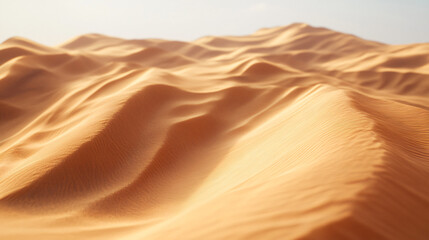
[293,132]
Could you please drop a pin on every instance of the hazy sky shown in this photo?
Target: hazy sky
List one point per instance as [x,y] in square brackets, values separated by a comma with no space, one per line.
[54,21]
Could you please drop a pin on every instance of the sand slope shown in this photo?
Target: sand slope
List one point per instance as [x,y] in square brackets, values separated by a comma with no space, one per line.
[292,132]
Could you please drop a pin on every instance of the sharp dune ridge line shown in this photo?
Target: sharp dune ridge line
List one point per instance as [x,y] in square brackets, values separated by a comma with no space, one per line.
[292,132]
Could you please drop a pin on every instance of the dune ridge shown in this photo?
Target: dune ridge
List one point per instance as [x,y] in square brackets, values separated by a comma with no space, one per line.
[292,132]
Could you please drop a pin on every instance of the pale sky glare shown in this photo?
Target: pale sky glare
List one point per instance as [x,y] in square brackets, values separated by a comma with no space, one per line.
[54,21]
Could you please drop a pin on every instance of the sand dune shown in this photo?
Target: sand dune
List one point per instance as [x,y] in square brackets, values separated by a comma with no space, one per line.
[293,132]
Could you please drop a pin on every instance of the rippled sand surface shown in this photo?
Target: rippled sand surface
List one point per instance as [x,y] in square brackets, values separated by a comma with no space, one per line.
[293,132]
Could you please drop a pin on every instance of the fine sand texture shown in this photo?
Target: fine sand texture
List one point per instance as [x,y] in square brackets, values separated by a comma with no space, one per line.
[291,132]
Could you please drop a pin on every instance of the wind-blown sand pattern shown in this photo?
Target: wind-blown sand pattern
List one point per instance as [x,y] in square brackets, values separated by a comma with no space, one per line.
[292,132]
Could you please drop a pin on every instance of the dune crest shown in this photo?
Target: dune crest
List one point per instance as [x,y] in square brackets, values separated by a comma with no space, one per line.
[292,132]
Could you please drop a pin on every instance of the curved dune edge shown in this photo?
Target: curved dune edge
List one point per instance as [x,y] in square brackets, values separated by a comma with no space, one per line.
[293,132]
